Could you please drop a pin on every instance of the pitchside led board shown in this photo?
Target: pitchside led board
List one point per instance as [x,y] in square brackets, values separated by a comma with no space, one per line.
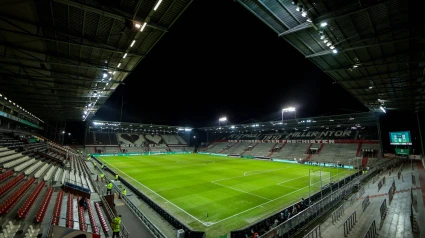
[400,138]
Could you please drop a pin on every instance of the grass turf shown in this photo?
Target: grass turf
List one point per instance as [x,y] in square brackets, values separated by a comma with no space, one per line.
[217,194]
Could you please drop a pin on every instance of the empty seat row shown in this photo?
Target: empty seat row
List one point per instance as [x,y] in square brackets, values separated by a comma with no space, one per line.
[49,173]
[23,211]
[6,175]
[15,162]
[41,170]
[57,174]
[95,229]
[13,199]
[24,165]
[5,188]
[7,152]
[70,212]
[43,208]
[81,217]
[10,157]
[32,168]
[57,209]
[101,218]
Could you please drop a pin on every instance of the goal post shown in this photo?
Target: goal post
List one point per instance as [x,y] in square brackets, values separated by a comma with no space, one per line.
[319,179]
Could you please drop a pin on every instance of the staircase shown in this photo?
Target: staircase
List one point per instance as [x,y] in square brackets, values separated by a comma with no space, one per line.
[320,148]
[359,149]
[308,157]
[278,150]
[246,149]
[228,147]
[271,153]
[306,151]
[364,162]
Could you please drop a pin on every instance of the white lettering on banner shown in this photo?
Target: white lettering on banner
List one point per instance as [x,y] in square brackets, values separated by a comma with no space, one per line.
[305,141]
[338,133]
[331,141]
[296,141]
[283,141]
[325,141]
[318,141]
[244,136]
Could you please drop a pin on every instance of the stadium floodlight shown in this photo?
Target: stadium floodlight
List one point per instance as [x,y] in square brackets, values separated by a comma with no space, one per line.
[382,109]
[187,129]
[289,109]
[157,5]
[323,24]
[143,27]
[222,119]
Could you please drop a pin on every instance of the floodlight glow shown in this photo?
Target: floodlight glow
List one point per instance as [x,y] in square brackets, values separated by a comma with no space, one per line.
[125,55]
[180,129]
[233,127]
[143,27]
[119,65]
[323,24]
[382,109]
[157,5]
[289,109]
[335,51]
[187,129]
[222,119]
[132,43]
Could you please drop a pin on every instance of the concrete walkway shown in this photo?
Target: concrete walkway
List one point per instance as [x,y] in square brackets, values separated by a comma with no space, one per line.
[397,223]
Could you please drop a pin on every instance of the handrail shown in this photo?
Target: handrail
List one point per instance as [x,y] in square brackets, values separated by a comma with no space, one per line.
[123,231]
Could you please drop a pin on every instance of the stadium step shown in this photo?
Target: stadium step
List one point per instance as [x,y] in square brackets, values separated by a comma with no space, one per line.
[246,148]
[359,149]
[280,148]
[308,149]
[364,161]
[320,148]
[308,157]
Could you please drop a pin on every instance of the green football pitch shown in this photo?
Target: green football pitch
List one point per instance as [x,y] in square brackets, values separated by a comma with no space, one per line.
[219,194]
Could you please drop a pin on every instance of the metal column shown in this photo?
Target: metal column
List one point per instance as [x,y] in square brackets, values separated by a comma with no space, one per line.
[420,133]
[380,137]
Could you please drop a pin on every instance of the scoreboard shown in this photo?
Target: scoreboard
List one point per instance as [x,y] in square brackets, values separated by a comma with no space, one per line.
[400,138]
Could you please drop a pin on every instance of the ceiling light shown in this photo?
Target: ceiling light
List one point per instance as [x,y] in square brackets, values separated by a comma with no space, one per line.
[299,8]
[382,109]
[304,14]
[329,44]
[157,5]
[309,20]
[322,37]
[132,43]
[332,47]
[325,41]
[323,24]
[125,55]
[335,51]
[370,87]
[119,65]
[143,27]
[137,25]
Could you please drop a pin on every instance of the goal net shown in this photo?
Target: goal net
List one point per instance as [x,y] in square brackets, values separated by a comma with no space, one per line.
[319,178]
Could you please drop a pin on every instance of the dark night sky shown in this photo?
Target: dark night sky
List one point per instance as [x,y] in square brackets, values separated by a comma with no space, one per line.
[220,60]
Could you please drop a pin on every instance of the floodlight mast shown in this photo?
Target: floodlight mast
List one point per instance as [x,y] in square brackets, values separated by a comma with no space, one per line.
[289,109]
[222,119]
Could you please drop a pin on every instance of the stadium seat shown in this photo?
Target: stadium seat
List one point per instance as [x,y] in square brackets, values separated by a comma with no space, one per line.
[42,210]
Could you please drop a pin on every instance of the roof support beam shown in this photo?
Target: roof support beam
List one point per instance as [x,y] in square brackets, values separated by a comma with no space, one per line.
[47,79]
[123,17]
[326,52]
[372,66]
[300,27]
[120,51]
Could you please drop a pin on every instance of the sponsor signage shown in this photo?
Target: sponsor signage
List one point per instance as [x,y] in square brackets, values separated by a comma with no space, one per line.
[11,117]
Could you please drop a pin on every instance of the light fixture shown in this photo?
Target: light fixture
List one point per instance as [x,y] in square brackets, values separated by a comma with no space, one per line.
[322,37]
[132,43]
[299,8]
[137,25]
[309,19]
[143,27]
[382,109]
[125,55]
[304,14]
[370,87]
[157,5]
[119,65]
[325,41]
[332,47]
[222,119]
[289,109]
[329,44]
[323,24]
[335,51]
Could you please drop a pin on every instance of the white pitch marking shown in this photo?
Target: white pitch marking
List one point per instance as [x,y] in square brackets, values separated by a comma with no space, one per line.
[240,190]
[290,180]
[160,196]
[266,171]
[259,205]
[286,186]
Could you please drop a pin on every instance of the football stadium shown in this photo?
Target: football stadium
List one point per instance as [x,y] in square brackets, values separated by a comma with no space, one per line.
[74,163]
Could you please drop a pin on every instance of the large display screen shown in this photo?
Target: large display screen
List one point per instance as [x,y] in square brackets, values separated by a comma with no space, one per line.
[400,138]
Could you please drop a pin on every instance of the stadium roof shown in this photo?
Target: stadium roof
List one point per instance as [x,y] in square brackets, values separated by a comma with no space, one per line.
[346,121]
[137,127]
[61,58]
[379,45]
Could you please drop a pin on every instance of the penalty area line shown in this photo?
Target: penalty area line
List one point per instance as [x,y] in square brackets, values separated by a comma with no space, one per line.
[203,223]
[252,208]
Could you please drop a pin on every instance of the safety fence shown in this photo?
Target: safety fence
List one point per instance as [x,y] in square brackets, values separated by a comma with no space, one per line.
[111,215]
[337,214]
[413,220]
[413,197]
[349,223]
[189,233]
[365,203]
[315,233]
[383,209]
[371,232]
[292,225]
[71,224]
[381,183]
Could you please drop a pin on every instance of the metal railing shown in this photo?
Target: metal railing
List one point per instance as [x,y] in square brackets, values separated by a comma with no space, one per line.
[337,214]
[87,225]
[391,192]
[371,232]
[413,179]
[383,209]
[123,230]
[349,223]
[365,203]
[315,233]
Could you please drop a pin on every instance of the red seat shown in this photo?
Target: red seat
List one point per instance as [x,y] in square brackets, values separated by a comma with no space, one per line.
[42,210]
